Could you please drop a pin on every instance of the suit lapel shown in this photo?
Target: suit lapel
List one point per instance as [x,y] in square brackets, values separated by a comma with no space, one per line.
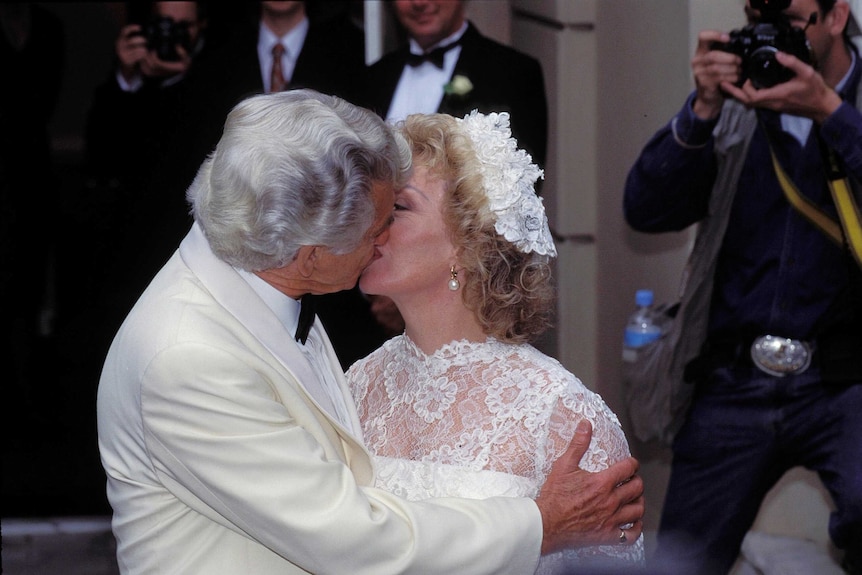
[386,82]
[236,296]
[468,62]
[239,299]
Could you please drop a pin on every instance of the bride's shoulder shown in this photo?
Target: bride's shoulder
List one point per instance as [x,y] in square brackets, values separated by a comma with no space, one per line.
[372,361]
[541,369]
[535,359]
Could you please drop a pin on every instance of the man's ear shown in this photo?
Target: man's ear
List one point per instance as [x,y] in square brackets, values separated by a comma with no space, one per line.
[840,14]
[306,260]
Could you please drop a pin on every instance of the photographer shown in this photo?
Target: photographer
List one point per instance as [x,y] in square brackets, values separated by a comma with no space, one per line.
[758,408]
[154,54]
[162,48]
[132,115]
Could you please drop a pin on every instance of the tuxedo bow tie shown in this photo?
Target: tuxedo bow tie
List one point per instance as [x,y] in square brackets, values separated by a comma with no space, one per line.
[435,56]
[306,317]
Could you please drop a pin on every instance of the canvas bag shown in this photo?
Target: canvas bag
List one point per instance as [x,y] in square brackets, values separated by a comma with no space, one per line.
[656,397]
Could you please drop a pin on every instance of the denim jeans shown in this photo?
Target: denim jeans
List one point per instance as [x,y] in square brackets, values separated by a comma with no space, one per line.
[744,431]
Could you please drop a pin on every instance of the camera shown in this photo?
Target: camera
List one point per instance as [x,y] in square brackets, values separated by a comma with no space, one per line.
[163,34]
[757,44]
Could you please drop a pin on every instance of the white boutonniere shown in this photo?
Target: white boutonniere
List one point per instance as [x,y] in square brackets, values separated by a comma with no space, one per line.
[459,86]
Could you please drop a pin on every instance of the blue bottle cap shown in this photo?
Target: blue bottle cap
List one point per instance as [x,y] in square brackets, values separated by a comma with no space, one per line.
[643,297]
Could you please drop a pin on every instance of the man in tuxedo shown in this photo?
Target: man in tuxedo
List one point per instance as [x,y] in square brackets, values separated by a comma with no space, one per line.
[446,65]
[226,429]
[442,50]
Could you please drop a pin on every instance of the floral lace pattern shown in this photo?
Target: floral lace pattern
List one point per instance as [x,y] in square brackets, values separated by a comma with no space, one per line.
[480,420]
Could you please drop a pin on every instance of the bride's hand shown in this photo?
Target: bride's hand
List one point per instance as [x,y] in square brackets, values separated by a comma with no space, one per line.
[581,508]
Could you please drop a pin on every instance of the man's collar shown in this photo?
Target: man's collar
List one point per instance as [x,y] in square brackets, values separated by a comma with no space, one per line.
[849,84]
[285,308]
[292,41]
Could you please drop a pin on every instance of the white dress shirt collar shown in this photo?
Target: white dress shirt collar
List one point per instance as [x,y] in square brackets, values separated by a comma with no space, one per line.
[292,42]
[285,308]
[420,88]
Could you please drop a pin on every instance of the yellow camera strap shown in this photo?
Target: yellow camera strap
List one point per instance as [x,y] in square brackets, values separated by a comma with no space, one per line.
[849,232]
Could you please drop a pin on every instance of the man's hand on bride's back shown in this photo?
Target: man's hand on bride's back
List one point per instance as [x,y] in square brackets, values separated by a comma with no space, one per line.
[581,508]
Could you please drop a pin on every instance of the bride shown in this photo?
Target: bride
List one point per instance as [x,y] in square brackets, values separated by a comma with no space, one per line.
[461,404]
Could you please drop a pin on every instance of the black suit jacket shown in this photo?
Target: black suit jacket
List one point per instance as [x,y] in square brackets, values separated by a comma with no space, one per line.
[504,80]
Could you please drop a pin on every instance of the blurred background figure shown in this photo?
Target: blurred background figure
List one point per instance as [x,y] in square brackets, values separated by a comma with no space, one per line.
[133,114]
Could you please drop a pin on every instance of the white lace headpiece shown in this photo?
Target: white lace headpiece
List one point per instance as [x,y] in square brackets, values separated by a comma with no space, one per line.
[509,176]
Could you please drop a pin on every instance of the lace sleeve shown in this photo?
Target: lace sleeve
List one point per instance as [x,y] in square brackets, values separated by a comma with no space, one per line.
[608,446]
[575,402]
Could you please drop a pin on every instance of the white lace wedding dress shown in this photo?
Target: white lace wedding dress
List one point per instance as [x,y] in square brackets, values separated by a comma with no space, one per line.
[480,420]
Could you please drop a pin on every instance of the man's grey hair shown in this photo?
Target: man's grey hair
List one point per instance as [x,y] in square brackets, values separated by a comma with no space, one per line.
[291,169]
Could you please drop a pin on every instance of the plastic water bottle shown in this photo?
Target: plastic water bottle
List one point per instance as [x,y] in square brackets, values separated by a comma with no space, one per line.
[641,328]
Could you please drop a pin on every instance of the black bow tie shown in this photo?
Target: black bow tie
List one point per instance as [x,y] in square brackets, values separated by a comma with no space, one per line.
[435,56]
[306,317]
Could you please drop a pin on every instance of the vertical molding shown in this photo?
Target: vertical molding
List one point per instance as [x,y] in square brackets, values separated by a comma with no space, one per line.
[373,20]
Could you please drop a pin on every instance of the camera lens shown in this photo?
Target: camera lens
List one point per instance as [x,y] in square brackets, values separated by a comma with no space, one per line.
[764,70]
[163,36]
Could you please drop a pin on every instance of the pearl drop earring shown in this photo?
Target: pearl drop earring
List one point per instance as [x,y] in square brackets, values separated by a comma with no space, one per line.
[454,284]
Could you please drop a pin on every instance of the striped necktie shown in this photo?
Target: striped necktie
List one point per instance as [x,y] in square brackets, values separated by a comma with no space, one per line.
[277,83]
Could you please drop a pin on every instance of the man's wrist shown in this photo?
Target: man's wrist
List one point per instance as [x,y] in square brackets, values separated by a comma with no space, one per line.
[705,111]
[689,130]
[831,103]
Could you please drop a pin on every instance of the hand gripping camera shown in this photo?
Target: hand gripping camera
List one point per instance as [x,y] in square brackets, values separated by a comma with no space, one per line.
[757,44]
[163,35]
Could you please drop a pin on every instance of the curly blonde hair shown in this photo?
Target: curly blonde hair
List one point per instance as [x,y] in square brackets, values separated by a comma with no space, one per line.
[509,291]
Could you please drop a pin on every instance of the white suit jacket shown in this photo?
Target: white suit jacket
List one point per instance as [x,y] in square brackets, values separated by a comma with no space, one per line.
[220,462]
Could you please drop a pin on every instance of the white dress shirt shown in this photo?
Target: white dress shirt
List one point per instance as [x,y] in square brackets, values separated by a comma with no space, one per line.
[420,88]
[292,42]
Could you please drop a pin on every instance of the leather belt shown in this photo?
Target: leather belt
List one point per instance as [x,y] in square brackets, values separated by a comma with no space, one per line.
[781,356]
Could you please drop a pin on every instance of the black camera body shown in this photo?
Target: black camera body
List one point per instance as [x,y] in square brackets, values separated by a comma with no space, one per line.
[757,44]
[163,34]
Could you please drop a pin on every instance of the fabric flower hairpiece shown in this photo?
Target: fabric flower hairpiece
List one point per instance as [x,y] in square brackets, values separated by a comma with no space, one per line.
[509,176]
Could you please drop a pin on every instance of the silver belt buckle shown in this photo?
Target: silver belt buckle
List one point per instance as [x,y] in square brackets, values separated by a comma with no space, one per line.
[780,356]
